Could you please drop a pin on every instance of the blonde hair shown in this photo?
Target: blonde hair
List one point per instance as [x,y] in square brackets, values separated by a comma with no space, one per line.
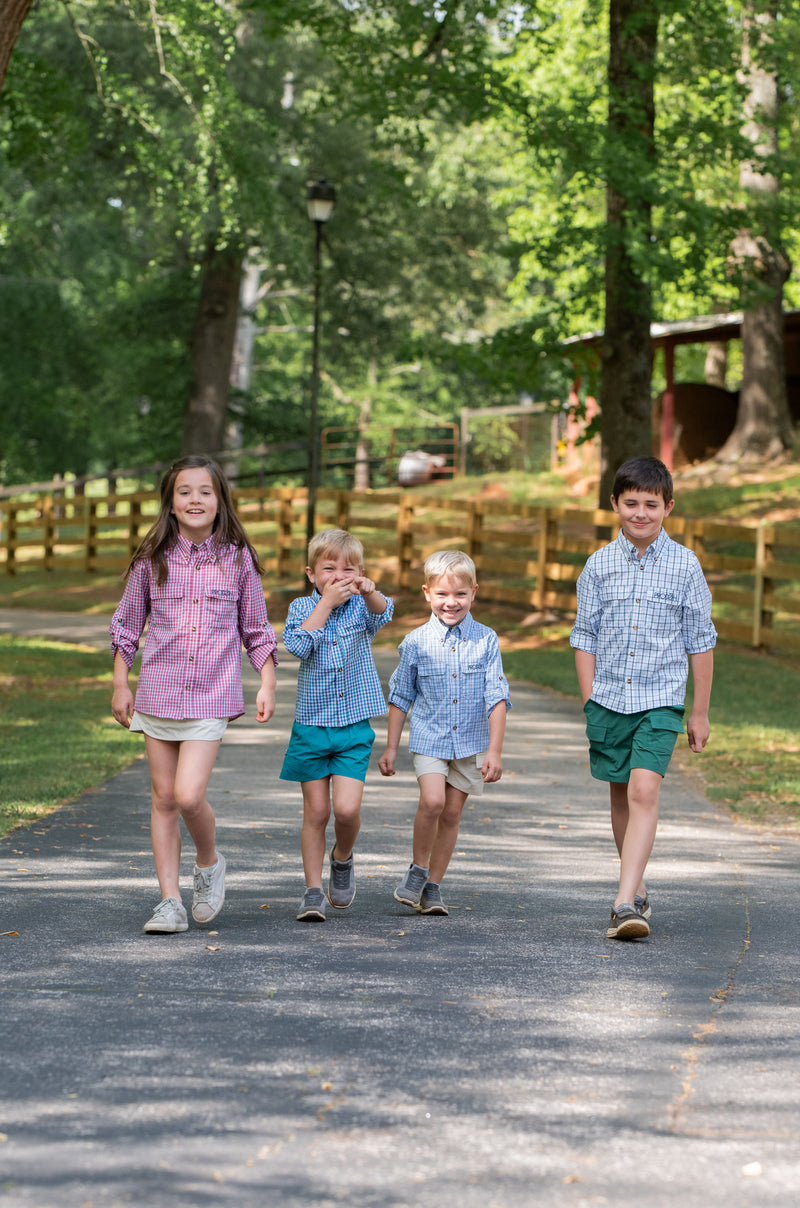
[335,542]
[450,562]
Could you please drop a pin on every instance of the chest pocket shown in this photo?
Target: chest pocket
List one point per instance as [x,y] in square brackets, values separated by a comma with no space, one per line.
[221,608]
[165,603]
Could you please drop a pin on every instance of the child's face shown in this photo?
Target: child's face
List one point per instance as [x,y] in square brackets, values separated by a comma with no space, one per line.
[641,516]
[333,568]
[450,598]
[195,504]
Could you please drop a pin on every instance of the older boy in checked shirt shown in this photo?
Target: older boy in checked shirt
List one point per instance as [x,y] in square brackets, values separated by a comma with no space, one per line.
[338,690]
[643,607]
[451,673]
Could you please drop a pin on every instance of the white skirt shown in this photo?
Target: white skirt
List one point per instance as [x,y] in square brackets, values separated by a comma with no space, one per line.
[168,729]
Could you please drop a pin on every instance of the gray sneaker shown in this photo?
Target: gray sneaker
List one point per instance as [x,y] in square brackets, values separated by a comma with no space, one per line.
[209,891]
[312,907]
[409,891]
[431,900]
[342,882]
[642,904]
[627,923]
[168,917]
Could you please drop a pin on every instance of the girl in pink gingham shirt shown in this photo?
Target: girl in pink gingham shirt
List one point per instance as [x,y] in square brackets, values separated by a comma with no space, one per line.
[195,581]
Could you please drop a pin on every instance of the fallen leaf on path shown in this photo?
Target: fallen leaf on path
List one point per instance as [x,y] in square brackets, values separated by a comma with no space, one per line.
[752,1168]
[264,906]
[211,948]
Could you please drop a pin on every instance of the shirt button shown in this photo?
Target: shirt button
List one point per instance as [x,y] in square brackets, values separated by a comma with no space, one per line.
[194,629]
[341,694]
[195,601]
[191,658]
[455,700]
[631,654]
[627,681]
[455,727]
[637,601]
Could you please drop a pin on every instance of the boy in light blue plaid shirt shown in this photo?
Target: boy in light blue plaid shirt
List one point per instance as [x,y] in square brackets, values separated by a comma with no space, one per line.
[644,615]
[338,691]
[451,673]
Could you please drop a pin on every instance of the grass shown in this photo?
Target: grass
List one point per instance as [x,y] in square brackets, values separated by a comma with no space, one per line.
[752,761]
[55,718]
[56,730]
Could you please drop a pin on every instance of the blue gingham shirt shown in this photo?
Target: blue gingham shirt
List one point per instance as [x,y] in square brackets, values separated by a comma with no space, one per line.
[338,683]
[453,677]
[641,617]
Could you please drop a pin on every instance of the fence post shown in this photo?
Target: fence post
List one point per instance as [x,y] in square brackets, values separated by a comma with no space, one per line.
[541,563]
[134,523]
[48,531]
[90,550]
[11,539]
[285,516]
[343,509]
[405,540]
[475,530]
[762,586]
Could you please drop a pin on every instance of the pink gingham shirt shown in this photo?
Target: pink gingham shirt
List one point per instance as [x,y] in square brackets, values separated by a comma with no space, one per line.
[211,605]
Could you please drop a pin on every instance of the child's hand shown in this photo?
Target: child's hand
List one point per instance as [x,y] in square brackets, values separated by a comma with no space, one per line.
[265,703]
[339,591]
[387,761]
[697,731]
[492,768]
[364,587]
[122,706]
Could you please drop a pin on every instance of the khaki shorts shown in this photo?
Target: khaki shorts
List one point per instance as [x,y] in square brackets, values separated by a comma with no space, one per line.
[463,774]
[167,729]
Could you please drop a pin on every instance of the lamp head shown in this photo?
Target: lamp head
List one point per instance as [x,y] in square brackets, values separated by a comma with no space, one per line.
[320,197]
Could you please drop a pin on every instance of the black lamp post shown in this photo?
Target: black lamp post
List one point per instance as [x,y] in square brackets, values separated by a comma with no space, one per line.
[320,197]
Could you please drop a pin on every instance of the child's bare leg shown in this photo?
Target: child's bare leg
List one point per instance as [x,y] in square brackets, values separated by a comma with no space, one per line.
[195,765]
[432,797]
[643,791]
[446,832]
[347,794]
[316,812]
[179,779]
[619,819]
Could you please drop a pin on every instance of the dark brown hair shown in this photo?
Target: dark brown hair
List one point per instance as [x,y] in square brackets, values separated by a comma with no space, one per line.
[643,474]
[228,529]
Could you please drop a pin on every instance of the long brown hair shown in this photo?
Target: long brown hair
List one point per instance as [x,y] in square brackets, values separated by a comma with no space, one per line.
[228,529]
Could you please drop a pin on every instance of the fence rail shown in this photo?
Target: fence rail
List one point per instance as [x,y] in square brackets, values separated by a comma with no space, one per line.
[526,556]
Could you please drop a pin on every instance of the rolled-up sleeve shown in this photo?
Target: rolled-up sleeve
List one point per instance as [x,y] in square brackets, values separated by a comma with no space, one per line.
[301,642]
[587,617]
[258,636]
[699,633]
[128,622]
[403,687]
[495,683]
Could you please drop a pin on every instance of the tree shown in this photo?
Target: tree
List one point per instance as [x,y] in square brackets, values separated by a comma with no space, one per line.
[763,424]
[12,17]
[625,391]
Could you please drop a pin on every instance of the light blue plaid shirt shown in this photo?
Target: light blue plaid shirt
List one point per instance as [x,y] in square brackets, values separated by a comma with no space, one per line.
[641,617]
[337,683]
[453,677]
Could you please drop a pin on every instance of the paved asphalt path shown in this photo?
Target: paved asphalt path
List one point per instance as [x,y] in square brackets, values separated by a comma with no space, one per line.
[506,1056]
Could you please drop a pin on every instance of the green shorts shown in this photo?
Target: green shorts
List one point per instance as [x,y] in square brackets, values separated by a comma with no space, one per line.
[315,752]
[619,742]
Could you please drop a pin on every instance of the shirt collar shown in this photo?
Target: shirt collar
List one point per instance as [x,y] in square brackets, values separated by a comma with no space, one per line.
[461,630]
[653,551]
[187,548]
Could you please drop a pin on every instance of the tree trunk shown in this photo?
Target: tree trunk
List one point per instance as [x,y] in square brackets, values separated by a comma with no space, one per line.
[763,428]
[212,353]
[12,18]
[625,387]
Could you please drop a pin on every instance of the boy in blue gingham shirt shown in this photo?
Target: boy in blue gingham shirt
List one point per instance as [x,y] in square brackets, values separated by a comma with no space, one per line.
[644,615]
[451,673]
[338,691]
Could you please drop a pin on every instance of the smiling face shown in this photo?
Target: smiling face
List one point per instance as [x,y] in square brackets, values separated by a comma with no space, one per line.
[333,567]
[194,504]
[641,516]
[450,598]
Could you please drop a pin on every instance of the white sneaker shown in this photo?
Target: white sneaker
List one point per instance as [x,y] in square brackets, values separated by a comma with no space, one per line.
[209,891]
[169,916]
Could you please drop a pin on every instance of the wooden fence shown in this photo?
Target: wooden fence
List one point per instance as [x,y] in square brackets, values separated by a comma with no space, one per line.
[526,556]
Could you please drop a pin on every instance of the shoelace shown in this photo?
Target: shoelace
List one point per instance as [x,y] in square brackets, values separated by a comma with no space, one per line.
[341,875]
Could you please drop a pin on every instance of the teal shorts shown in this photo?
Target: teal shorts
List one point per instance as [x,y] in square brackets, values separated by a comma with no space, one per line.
[315,752]
[619,742]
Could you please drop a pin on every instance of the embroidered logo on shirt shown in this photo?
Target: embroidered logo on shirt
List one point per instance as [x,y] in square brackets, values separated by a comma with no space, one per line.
[668,597]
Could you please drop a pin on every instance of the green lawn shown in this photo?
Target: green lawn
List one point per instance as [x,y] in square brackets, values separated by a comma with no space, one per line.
[56,730]
[752,761]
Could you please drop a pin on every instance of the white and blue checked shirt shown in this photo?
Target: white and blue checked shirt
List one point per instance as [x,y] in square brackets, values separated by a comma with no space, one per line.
[641,617]
[337,683]
[453,677]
